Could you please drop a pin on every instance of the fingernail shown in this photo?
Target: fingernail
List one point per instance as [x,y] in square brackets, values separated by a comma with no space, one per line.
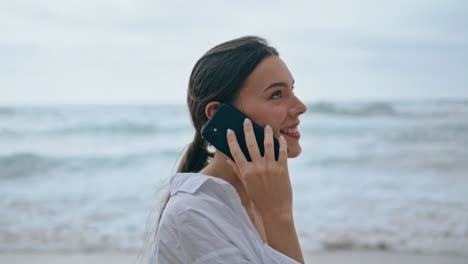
[281,138]
[267,126]
[247,121]
[229,131]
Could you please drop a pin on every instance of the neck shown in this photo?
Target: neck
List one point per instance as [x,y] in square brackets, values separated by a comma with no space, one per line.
[219,168]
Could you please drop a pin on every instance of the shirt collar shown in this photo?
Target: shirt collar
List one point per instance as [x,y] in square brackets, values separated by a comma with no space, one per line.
[190,182]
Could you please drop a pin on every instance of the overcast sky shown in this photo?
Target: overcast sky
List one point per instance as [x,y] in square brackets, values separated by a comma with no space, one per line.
[132,51]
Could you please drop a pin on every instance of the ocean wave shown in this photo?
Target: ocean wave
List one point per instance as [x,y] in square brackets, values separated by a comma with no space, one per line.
[449,161]
[113,128]
[432,109]
[118,129]
[369,109]
[450,133]
[8,133]
[20,165]
[68,237]
[7,111]
[442,242]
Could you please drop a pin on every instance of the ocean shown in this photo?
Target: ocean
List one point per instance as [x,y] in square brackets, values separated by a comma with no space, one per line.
[387,175]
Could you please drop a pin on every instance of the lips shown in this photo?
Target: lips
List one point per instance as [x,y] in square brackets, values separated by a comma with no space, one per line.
[291,126]
[291,131]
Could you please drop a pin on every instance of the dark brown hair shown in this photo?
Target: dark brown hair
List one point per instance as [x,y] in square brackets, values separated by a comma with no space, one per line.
[218,75]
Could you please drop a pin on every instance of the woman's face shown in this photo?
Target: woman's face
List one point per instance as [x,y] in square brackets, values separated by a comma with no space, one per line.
[267,97]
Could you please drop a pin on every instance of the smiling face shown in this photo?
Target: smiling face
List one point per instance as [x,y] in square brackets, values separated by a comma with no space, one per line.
[267,97]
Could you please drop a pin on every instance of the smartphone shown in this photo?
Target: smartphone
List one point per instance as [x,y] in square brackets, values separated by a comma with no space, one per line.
[227,116]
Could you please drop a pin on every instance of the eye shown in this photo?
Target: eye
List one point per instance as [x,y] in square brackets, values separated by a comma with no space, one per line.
[275,94]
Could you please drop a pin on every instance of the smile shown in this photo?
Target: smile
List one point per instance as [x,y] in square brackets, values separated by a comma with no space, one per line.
[291,132]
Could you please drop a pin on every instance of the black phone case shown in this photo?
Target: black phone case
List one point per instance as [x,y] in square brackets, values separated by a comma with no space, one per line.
[227,116]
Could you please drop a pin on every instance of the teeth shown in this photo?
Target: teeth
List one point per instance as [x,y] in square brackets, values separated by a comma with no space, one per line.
[289,131]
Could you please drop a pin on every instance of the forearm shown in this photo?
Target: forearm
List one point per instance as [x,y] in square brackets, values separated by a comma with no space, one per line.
[282,236]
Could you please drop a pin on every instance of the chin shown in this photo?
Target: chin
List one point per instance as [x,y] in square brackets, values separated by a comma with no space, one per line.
[294,151]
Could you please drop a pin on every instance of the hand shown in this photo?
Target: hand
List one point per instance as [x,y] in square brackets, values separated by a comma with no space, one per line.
[266,180]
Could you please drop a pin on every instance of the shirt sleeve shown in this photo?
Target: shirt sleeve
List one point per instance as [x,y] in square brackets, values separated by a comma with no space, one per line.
[272,255]
[203,241]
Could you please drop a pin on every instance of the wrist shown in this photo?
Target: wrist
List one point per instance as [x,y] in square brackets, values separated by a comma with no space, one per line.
[283,215]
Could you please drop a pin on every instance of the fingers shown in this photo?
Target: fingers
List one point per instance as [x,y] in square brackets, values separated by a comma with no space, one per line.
[236,152]
[283,151]
[250,140]
[234,166]
[268,142]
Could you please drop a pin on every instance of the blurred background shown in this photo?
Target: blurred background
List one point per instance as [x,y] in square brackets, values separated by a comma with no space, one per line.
[93,118]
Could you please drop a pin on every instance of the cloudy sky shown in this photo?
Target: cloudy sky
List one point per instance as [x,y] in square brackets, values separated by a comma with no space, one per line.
[142,51]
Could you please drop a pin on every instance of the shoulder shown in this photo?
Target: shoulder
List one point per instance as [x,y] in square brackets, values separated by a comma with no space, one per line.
[205,195]
[200,228]
[198,185]
[186,209]
[203,220]
[204,209]
[208,210]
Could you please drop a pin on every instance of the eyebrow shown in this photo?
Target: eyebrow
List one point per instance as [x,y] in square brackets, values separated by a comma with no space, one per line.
[276,84]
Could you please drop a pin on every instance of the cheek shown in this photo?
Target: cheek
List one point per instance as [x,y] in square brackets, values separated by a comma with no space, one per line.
[278,122]
[276,125]
[273,116]
[276,130]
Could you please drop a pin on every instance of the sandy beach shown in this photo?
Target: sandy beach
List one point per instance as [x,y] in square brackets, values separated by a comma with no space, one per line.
[349,257]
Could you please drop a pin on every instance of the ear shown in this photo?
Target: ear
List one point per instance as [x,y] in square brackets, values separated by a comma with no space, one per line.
[210,108]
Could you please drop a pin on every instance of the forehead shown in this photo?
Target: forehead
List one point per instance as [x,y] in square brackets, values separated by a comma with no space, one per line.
[270,70]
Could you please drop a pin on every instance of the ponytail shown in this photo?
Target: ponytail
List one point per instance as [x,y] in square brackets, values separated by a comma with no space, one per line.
[196,156]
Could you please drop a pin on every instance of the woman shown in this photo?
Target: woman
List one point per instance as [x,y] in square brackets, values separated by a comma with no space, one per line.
[235,211]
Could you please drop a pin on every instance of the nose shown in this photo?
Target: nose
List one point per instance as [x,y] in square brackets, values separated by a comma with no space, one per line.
[297,107]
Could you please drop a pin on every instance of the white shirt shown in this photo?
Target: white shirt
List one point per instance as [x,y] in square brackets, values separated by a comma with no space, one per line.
[204,222]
